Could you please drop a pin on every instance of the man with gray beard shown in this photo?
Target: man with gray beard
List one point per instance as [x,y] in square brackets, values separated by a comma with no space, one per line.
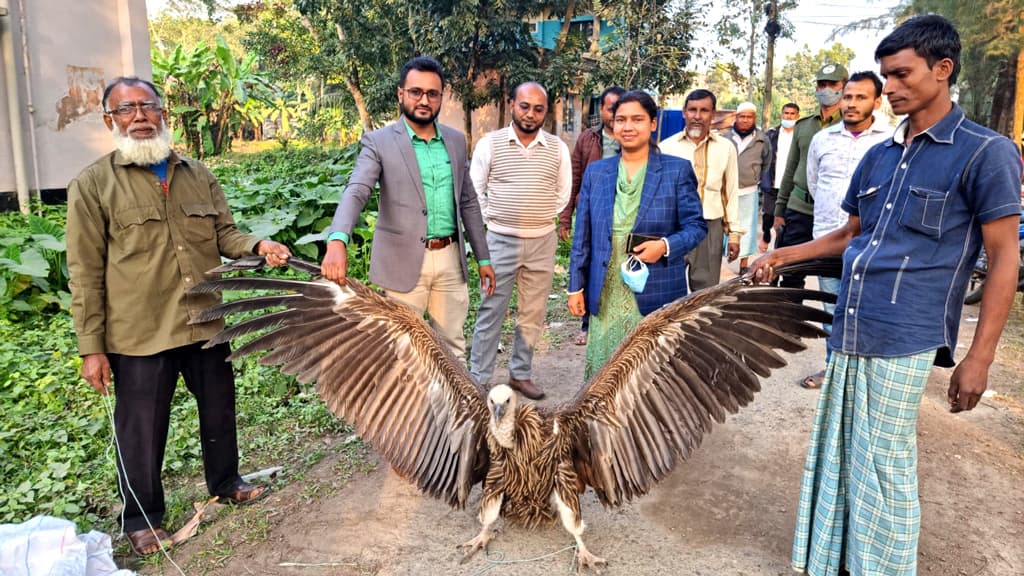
[143,226]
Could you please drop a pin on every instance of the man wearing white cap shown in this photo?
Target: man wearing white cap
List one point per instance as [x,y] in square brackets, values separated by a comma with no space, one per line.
[754,158]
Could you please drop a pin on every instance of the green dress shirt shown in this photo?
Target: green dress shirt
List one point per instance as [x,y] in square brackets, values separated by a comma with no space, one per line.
[438,185]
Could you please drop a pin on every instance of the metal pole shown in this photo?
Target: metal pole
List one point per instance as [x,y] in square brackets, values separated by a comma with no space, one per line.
[14,108]
[772,29]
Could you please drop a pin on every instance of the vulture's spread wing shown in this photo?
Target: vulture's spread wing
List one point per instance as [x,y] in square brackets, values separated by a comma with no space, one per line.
[688,363]
[377,365]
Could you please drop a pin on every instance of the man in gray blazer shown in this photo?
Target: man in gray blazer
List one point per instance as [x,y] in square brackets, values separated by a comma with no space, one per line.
[427,210]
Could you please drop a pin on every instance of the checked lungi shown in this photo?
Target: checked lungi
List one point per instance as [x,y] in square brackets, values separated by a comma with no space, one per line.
[858,505]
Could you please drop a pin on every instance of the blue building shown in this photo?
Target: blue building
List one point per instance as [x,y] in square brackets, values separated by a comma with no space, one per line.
[580,110]
[545,32]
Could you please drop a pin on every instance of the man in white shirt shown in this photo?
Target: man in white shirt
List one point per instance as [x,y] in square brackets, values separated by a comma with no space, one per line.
[832,157]
[523,179]
[780,137]
[714,161]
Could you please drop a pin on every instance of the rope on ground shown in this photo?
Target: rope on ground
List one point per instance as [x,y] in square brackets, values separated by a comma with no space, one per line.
[498,559]
[315,564]
[117,447]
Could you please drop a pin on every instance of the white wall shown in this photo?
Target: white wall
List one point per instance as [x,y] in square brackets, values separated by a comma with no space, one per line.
[74,48]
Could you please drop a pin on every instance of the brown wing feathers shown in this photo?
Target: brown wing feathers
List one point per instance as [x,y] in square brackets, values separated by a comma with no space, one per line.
[691,362]
[376,364]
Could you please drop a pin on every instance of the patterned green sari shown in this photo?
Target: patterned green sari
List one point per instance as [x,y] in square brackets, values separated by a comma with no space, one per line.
[617,313]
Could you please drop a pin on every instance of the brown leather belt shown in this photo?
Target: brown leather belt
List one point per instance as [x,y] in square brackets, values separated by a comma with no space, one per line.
[438,243]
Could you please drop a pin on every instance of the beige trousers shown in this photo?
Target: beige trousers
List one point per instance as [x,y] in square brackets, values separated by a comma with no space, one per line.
[442,293]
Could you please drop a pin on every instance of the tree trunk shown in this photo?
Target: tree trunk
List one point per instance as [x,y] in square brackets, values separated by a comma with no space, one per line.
[1001,115]
[563,34]
[502,100]
[353,85]
[751,46]
[357,94]
[1018,103]
[467,125]
[769,71]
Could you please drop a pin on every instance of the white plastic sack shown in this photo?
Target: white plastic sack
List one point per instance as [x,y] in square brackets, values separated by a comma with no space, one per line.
[48,546]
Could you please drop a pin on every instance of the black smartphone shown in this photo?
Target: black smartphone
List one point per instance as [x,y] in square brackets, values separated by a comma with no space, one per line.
[633,240]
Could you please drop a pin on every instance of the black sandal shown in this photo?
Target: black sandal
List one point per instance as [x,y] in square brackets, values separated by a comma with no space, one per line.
[813,382]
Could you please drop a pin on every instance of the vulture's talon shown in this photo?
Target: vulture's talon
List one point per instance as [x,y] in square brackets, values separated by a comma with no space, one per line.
[482,540]
[584,559]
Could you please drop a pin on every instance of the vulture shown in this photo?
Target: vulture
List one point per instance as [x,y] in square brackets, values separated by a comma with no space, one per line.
[379,366]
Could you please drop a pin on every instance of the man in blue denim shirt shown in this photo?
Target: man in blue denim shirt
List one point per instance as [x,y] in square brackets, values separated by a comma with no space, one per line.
[920,205]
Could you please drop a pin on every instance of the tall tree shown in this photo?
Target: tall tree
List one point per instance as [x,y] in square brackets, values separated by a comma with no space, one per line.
[992,40]
[367,42]
[741,33]
[992,56]
[651,45]
[479,43]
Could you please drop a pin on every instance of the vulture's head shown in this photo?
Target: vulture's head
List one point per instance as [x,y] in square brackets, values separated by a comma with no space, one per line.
[501,403]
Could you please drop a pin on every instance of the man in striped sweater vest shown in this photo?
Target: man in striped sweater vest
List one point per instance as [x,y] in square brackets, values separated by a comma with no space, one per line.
[523,177]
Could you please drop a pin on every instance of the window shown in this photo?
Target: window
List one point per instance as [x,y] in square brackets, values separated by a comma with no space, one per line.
[582,27]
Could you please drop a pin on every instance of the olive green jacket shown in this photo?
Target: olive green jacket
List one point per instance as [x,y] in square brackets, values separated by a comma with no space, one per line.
[134,250]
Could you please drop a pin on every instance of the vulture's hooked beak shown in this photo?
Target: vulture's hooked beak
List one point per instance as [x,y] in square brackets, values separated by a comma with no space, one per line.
[499,412]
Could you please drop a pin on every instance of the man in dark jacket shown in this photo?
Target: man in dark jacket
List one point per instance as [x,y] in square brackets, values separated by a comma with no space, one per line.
[593,144]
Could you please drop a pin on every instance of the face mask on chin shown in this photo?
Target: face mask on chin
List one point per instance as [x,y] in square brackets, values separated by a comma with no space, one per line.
[695,133]
[634,274]
[787,124]
[828,97]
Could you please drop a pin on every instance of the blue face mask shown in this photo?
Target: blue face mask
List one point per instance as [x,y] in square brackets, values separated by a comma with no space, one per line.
[788,123]
[634,273]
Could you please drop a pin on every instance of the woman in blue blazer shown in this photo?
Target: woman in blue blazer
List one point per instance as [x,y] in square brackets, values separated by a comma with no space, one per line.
[640,192]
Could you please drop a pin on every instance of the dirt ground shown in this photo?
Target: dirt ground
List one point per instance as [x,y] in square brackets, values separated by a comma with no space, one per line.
[729,510]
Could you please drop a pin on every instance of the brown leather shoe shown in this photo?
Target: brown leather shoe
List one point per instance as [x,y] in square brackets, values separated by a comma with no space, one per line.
[145,542]
[526,388]
[244,493]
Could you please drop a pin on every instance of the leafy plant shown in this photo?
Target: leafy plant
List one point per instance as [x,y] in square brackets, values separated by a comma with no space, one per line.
[292,198]
[56,449]
[205,89]
[33,264]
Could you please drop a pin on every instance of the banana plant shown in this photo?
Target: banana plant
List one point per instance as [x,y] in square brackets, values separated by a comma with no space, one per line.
[204,89]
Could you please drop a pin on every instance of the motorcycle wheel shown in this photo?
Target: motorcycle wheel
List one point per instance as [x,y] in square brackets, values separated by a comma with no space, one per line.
[977,283]
[974,289]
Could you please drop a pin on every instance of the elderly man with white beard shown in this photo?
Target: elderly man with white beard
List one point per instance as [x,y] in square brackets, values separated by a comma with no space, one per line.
[143,226]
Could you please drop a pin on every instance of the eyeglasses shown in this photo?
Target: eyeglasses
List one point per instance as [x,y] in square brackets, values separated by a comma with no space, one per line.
[128,109]
[417,93]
